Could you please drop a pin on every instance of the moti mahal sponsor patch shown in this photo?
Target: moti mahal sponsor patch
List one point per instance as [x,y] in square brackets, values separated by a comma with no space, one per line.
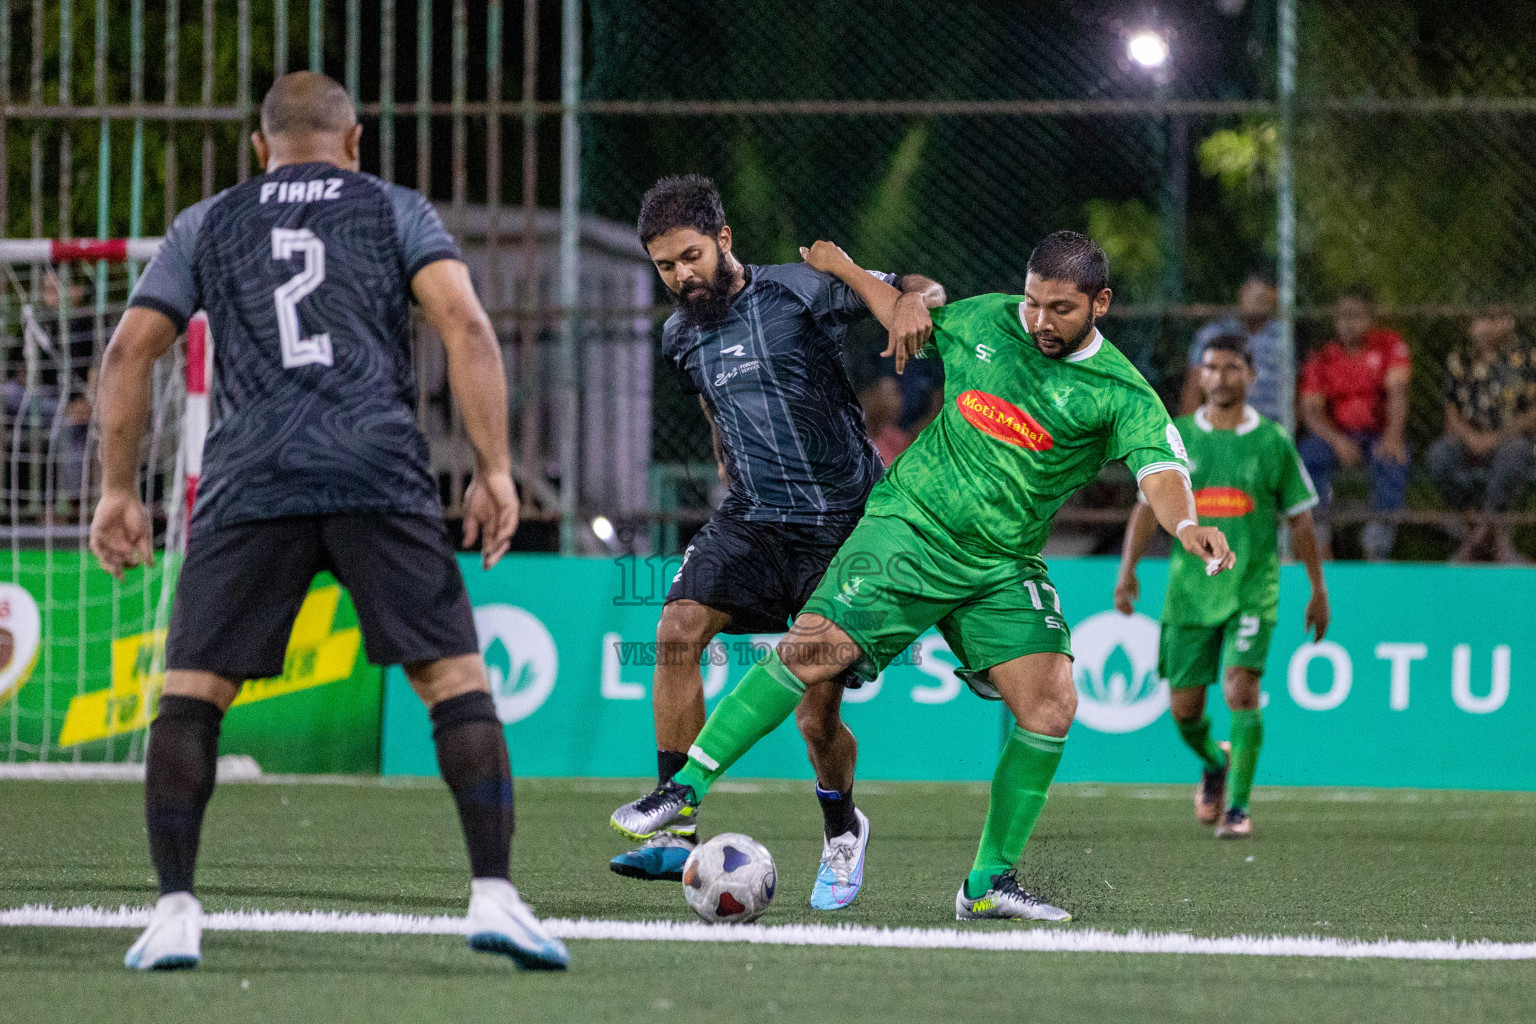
[1223,502]
[1003,420]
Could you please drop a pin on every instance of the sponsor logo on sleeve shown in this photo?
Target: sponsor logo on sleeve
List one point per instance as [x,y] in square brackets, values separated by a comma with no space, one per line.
[1003,420]
[1176,442]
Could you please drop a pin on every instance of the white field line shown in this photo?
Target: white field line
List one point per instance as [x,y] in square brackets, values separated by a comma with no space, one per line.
[1024,939]
[241,769]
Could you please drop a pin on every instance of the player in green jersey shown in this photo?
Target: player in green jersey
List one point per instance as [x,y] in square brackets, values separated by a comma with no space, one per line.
[1035,403]
[1246,476]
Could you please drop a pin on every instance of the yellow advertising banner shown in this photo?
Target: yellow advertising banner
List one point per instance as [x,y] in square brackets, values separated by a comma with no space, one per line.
[318,654]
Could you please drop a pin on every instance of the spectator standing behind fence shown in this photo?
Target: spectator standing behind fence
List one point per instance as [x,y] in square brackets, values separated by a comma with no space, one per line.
[64,376]
[1490,413]
[1354,401]
[1255,321]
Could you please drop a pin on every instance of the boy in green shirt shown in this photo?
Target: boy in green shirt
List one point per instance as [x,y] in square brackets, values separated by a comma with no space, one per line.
[1246,476]
[1036,401]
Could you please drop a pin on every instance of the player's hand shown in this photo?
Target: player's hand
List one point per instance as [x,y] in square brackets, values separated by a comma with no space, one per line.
[1318,614]
[825,256]
[120,532]
[1210,545]
[490,515]
[1393,449]
[1348,452]
[911,331]
[1127,593]
[1482,443]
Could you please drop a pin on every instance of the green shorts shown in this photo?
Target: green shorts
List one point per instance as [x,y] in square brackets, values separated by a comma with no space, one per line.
[888,584]
[1194,655]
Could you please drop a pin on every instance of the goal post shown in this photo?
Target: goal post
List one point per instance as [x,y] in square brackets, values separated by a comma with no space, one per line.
[81,654]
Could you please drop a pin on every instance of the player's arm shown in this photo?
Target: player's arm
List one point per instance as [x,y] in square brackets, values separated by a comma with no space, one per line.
[1393,442]
[1304,544]
[914,327]
[903,313]
[714,443]
[1314,413]
[478,381]
[1477,442]
[1173,503]
[1139,530]
[120,529]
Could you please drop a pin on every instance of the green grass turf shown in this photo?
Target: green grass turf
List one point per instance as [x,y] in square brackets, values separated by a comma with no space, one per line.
[1360,864]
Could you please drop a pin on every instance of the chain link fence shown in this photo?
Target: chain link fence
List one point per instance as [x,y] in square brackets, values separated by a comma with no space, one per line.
[1416,178]
[939,138]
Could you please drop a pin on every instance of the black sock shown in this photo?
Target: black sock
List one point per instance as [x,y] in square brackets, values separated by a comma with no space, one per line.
[472,755]
[178,780]
[837,811]
[668,764]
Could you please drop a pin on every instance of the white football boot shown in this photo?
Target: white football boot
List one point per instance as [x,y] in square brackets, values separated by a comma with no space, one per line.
[500,922]
[173,939]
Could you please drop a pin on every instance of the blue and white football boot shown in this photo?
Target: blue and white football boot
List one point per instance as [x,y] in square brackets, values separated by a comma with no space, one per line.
[500,922]
[841,874]
[659,858]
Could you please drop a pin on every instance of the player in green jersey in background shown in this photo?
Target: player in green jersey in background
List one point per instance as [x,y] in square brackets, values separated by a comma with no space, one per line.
[1035,403]
[1246,476]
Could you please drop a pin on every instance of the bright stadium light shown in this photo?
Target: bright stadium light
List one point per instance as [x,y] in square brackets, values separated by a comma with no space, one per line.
[603,529]
[1147,48]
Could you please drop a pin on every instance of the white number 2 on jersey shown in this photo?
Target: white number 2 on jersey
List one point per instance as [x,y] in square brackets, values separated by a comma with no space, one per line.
[286,244]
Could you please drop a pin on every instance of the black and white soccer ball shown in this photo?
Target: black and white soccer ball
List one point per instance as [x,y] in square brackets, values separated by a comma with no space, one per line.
[730,879]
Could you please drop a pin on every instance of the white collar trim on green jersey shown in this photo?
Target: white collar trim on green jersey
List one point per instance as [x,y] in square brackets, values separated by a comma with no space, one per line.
[1249,422]
[1088,351]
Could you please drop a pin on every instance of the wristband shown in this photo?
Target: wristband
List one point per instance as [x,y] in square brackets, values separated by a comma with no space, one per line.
[1180,528]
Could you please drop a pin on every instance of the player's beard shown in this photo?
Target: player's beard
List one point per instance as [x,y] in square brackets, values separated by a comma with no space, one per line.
[1071,345]
[711,300]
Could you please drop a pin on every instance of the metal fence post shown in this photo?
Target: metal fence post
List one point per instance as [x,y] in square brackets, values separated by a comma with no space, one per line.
[279,38]
[354,46]
[1285,227]
[316,35]
[424,97]
[570,265]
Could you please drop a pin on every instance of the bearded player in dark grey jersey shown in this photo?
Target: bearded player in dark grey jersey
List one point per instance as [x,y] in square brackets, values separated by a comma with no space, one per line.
[314,462]
[762,348]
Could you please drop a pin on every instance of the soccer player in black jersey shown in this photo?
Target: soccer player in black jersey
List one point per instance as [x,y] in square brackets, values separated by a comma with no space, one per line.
[762,348]
[314,462]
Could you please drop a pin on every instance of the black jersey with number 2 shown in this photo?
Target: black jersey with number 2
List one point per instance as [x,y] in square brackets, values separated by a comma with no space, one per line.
[305,274]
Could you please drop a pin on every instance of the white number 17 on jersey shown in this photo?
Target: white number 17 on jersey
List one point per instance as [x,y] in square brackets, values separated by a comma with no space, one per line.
[286,244]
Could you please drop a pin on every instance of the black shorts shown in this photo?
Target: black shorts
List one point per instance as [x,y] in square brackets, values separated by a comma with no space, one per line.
[241,586]
[761,574]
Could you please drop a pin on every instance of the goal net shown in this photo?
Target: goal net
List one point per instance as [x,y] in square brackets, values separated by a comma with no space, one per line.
[82,654]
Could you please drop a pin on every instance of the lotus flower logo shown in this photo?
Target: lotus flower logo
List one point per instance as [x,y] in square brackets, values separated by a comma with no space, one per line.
[520,658]
[1115,667]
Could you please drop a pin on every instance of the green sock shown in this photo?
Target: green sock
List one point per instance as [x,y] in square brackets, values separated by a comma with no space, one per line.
[1024,773]
[766,696]
[1247,738]
[1198,735]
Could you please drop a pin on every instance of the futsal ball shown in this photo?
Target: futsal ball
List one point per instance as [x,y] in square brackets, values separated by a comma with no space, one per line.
[730,879]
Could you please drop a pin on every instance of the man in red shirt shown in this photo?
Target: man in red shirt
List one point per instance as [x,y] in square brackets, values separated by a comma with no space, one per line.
[1354,401]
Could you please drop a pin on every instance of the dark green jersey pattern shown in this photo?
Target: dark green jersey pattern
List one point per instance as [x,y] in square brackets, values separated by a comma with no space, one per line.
[772,372]
[305,274]
[1019,433]
[1244,481]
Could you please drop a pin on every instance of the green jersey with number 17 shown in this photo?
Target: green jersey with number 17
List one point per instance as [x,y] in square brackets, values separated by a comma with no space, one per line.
[1244,480]
[1019,433]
